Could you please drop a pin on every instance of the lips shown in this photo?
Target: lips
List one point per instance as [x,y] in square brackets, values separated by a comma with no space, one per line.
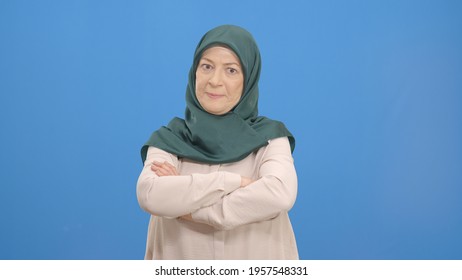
[214,95]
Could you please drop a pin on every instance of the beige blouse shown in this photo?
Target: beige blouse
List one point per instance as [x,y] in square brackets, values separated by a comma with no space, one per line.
[230,222]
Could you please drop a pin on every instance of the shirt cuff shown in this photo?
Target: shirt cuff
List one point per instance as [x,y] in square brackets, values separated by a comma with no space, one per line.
[232,181]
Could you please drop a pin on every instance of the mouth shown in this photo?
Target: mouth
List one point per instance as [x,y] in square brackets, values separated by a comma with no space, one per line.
[214,95]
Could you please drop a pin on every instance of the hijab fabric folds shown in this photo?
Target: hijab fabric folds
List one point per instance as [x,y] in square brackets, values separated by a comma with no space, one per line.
[216,139]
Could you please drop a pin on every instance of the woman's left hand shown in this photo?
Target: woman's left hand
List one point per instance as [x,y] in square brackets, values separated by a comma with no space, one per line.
[163,169]
[187,217]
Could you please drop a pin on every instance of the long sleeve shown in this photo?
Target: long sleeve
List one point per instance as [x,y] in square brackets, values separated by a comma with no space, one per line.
[174,196]
[274,192]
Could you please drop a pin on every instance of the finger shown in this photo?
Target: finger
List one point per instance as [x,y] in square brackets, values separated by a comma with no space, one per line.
[171,168]
[159,170]
[162,172]
[156,163]
[187,217]
[165,165]
[155,167]
[163,169]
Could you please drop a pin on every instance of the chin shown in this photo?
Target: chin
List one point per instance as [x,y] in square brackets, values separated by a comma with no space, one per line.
[215,111]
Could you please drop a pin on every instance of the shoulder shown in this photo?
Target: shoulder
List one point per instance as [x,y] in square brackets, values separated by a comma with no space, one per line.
[276,147]
[158,151]
[157,154]
[279,143]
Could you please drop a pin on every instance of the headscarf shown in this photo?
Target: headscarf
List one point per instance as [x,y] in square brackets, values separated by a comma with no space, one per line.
[216,139]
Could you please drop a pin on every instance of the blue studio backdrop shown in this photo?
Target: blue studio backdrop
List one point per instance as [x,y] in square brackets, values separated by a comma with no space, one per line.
[372,91]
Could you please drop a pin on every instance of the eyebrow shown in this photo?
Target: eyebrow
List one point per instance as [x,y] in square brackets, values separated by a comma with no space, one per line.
[228,63]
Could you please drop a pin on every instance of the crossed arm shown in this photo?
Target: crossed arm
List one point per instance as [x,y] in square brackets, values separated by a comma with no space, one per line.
[167,169]
[221,199]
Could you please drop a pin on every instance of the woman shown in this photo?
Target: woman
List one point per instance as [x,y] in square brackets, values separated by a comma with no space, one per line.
[219,183]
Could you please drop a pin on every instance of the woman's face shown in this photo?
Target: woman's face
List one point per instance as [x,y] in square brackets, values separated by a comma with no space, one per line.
[219,80]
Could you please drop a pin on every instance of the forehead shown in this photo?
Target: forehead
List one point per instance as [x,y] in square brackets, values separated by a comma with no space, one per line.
[221,53]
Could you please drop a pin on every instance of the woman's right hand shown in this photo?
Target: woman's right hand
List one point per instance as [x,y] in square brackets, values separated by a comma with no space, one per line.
[163,169]
[245,181]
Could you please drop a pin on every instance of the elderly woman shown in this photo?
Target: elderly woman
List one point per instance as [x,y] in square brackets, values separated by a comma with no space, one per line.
[219,184]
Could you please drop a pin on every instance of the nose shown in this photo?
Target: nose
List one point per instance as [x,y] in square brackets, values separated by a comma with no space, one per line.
[215,79]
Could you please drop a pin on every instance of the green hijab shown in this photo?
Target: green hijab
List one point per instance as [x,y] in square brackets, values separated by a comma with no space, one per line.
[214,139]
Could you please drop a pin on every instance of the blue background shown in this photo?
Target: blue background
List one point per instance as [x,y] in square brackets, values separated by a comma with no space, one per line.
[372,90]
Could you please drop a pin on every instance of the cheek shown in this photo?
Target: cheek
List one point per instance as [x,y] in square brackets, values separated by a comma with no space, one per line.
[198,85]
[237,90]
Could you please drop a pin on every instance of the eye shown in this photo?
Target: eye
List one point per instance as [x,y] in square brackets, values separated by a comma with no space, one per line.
[232,71]
[206,67]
